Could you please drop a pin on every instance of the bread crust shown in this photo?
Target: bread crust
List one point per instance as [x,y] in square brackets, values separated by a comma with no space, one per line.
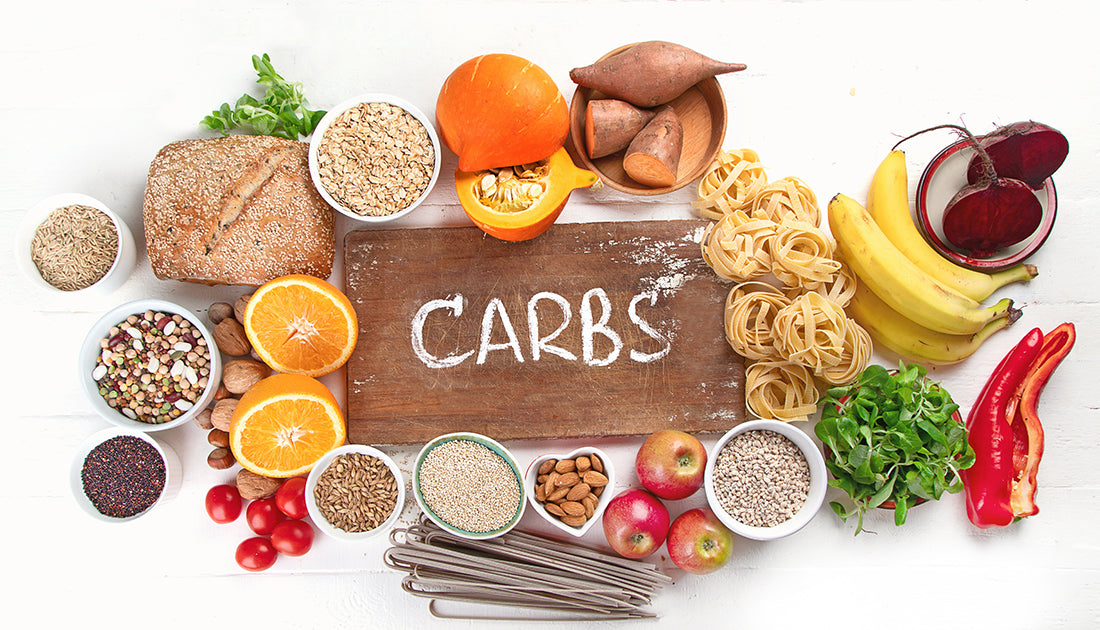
[236,210]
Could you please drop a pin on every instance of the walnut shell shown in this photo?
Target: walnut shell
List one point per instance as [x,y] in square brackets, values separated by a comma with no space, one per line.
[230,337]
[239,376]
[253,486]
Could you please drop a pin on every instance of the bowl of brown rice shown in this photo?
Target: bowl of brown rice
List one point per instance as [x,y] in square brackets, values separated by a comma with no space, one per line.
[74,244]
[470,485]
[374,157]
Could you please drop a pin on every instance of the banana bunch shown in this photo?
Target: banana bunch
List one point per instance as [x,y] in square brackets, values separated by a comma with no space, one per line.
[911,299]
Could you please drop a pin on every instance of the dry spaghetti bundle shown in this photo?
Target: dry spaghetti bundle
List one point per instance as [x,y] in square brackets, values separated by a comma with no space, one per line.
[736,247]
[788,198]
[731,183]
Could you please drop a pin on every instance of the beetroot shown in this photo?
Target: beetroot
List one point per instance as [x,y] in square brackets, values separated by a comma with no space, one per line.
[991,213]
[1028,151]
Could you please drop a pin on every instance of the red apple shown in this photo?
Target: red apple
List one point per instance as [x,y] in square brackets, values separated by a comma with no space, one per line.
[671,464]
[635,523]
[698,542]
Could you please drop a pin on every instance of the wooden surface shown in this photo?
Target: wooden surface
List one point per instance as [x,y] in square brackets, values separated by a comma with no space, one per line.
[421,369]
[93,91]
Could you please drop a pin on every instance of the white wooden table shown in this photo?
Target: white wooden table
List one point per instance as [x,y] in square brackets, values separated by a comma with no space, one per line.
[92,90]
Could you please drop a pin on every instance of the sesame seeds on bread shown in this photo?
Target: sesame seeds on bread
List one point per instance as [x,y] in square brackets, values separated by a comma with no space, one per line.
[235,210]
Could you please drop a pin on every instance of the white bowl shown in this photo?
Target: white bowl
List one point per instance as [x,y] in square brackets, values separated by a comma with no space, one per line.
[492,445]
[531,478]
[173,476]
[90,350]
[332,115]
[818,481]
[315,511]
[125,257]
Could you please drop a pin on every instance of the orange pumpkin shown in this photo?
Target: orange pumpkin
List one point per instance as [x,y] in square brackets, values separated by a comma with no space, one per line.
[500,110]
[519,203]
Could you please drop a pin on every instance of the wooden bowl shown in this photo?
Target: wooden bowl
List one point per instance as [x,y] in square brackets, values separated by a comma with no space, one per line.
[702,112]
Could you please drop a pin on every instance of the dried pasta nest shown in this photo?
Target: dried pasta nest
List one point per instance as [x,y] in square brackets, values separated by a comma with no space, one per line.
[810,332]
[854,356]
[802,255]
[788,198]
[731,183]
[780,390]
[751,308]
[736,246]
[839,291]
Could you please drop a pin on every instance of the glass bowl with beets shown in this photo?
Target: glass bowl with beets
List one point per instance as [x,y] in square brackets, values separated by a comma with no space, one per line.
[989,203]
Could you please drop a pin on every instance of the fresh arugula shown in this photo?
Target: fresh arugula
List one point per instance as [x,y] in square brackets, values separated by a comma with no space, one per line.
[282,112]
[892,437]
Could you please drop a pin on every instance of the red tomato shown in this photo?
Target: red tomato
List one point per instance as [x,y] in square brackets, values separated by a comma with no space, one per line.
[223,503]
[293,538]
[291,497]
[256,554]
[263,515]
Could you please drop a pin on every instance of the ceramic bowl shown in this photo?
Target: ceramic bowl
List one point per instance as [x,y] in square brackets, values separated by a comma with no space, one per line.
[818,481]
[702,112]
[944,176]
[318,517]
[90,350]
[319,137]
[173,476]
[493,446]
[530,480]
[125,257]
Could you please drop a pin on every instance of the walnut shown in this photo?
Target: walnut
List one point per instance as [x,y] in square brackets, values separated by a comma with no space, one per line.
[253,486]
[239,376]
[230,337]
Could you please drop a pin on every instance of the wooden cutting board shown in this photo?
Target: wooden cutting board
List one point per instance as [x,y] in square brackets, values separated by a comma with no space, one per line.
[591,329]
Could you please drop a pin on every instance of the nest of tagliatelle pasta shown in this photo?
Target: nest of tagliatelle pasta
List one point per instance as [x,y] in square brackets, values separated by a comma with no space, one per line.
[786,314]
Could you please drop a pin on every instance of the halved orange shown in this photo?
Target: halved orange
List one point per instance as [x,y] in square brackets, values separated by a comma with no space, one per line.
[284,424]
[299,324]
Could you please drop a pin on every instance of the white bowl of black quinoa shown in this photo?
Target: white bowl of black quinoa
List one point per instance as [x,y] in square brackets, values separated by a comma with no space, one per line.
[374,157]
[470,485]
[149,365]
[73,244]
[765,479]
[118,475]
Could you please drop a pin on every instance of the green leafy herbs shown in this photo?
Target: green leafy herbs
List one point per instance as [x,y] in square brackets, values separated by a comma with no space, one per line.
[892,437]
[282,112]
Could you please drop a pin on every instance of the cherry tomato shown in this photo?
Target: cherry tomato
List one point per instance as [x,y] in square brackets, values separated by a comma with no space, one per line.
[263,515]
[291,497]
[256,554]
[223,503]
[293,538]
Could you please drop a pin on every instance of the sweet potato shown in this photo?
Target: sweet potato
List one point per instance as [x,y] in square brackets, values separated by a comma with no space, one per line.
[610,125]
[654,155]
[651,73]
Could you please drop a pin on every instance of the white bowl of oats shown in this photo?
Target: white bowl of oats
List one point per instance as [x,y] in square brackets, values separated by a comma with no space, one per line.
[374,158]
[74,244]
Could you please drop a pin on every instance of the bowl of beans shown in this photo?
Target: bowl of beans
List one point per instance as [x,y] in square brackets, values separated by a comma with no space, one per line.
[374,157]
[118,475]
[355,492]
[149,365]
[74,244]
[765,479]
[470,485]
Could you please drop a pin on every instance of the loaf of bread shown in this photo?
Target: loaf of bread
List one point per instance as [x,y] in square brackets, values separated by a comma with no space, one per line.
[235,210]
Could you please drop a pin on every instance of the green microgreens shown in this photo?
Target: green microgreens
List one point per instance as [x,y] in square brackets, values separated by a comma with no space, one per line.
[282,112]
[892,437]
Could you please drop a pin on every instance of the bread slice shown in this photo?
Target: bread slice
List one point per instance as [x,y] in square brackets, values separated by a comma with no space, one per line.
[235,210]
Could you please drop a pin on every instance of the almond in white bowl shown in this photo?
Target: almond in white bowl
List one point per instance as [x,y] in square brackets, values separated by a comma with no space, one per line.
[568,489]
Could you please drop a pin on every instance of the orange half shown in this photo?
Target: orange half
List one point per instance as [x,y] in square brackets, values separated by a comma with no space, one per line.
[299,324]
[284,424]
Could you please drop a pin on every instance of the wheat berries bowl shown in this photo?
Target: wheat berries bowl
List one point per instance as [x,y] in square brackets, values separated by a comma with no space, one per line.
[582,501]
[765,479]
[119,475]
[354,493]
[374,158]
[149,365]
[73,244]
[469,485]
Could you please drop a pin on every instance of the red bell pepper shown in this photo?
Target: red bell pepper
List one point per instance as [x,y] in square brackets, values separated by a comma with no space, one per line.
[1005,431]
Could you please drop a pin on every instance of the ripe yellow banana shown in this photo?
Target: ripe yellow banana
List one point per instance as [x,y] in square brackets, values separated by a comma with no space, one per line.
[913,341]
[888,204]
[897,281]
